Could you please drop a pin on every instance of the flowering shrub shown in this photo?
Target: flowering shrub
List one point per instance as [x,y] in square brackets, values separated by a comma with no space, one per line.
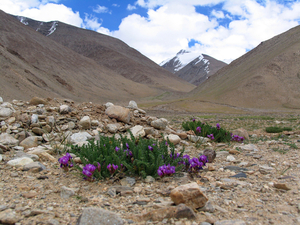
[216,133]
[166,170]
[133,156]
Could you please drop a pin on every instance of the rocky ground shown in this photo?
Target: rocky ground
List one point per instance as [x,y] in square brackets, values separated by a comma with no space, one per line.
[255,182]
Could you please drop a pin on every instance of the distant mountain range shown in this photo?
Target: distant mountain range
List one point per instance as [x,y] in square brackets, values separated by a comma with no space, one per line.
[54,59]
[193,67]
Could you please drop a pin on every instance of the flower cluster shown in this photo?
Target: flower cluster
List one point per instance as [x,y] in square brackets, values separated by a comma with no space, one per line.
[127,150]
[165,170]
[237,138]
[65,162]
[194,165]
[112,168]
[89,169]
[198,129]
[211,136]
[175,156]
[218,126]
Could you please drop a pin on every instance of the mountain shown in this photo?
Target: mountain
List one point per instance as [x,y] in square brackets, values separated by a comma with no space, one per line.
[266,77]
[111,53]
[192,67]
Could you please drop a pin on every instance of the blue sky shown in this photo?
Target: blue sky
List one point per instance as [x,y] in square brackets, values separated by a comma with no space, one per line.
[223,29]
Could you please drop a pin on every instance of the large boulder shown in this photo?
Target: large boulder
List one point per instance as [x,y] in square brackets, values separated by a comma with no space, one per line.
[190,195]
[160,124]
[119,113]
[85,123]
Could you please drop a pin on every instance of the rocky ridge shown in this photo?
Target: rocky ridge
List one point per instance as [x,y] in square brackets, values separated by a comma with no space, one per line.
[247,183]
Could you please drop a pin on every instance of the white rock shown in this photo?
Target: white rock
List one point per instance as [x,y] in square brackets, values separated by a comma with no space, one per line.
[132,105]
[1,100]
[63,109]
[249,147]
[108,104]
[1,158]
[198,139]
[67,192]
[113,128]
[160,124]
[138,131]
[230,158]
[7,139]
[34,118]
[20,161]
[80,137]
[5,112]
[173,138]
[85,122]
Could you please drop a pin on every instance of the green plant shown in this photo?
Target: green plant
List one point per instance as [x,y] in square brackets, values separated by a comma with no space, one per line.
[280,150]
[216,133]
[277,129]
[292,145]
[133,156]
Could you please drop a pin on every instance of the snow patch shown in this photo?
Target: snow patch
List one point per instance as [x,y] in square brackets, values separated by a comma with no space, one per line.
[53,28]
[23,20]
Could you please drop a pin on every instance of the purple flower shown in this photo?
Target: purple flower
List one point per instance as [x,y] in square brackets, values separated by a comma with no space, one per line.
[112,168]
[68,155]
[198,129]
[127,145]
[87,173]
[218,126]
[150,148]
[117,149]
[211,136]
[89,167]
[175,156]
[203,159]
[165,170]
[63,161]
[194,120]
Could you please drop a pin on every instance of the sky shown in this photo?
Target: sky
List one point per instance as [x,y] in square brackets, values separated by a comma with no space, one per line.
[223,29]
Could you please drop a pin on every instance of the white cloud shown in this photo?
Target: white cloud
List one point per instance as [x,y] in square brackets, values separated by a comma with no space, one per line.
[91,22]
[101,9]
[170,24]
[131,7]
[42,10]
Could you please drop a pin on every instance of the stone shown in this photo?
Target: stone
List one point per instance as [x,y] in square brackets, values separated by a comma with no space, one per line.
[1,100]
[47,157]
[113,128]
[234,152]
[160,124]
[132,105]
[29,142]
[230,158]
[281,186]
[1,158]
[20,154]
[189,194]
[30,194]
[208,207]
[119,113]
[9,217]
[85,123]
[241,132]
[20,161]
[108,104]
[66,192]
[64,109]
[173,138]
[235,168]
[264,169]
[38,131]
[179,211]
[7,139]
[197,139]
[34,165]
[149,179]
[98,216]
[230,222]
[11,120]
[182,135]
[240,175]
[249,147]
[37,101]
[50,120]
[138,131]
[128,181]
[5,112]
[210,154]
[80,137]
[34,118]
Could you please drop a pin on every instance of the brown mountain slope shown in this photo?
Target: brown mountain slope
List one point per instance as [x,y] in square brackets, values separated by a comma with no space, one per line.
[266,77]
[112,53]
[34,65]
